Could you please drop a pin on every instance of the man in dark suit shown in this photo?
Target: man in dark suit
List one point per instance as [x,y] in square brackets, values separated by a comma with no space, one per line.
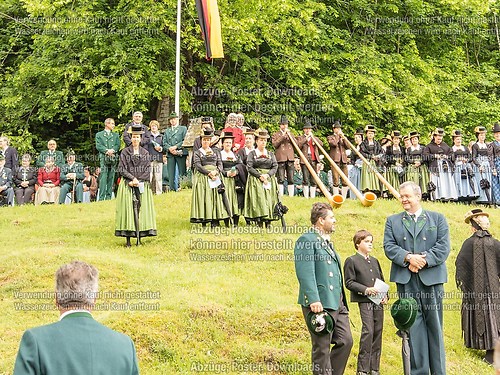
[76,344]
[338,147]
[284,156]
[24,178]
[6,189]
[10,154]
[319,272]
[308,147]
[418,243]
[137,120]
[172,146]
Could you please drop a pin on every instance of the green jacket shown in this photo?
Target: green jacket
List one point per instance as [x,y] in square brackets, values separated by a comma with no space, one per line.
[174,137]
[75,345]
[75,168]
[107,141]
[58,158]
[319,272]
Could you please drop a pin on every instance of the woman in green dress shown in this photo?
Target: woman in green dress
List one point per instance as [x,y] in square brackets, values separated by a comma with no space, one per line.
[206,202]
[135,212]
[261,189]
[371,150]
[416,169]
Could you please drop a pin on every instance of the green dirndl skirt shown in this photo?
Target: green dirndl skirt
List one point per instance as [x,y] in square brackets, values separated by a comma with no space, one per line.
[124,221]
[206,203]
[232,197]
[392,176]
[369,180]
[419,175]
[260,202]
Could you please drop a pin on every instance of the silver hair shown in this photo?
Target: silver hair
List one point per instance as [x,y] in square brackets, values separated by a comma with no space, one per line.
[6,140]
[136,113]
[411,185]
[76,285]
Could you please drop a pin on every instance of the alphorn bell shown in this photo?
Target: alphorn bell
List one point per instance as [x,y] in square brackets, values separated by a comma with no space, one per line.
[381,178]
[367,199]
[335,200]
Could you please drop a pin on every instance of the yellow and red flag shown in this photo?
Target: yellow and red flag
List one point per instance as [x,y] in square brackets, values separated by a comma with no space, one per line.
[208,15]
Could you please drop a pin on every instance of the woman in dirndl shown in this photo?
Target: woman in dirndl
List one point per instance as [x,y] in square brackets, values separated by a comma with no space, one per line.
[394,156]
[356,164]
[135,211]
[482,169]
[371,150]
[416,168]
[207,204]
[494,157]
[231,169]
[439,157]
[261,194]
[467,188]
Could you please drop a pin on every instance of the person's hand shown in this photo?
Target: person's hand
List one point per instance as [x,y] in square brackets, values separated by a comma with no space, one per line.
[413,268]
[418,260]
[71,176]
[24,184]
[172,149]
[236,147]
[417,163]
[110,152]
[371,291]
[134,182]
[316,307]
[85,188]
[158,148]
[385,300]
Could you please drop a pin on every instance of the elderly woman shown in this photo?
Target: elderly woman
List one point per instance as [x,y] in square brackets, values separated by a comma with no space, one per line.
[261,194]
[477,276]
[135,212]
[206,203]
[48,183]
[25,178]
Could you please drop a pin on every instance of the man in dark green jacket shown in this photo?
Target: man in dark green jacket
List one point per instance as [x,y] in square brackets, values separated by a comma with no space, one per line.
[108,145]
[321,287]
[71,179]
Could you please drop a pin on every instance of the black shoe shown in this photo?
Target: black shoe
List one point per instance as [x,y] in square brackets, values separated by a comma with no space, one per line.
[127,244]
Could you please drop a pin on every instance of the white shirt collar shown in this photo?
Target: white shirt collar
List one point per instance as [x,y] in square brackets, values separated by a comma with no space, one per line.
[417,213]
[259,154]
[225,155]
[66,313]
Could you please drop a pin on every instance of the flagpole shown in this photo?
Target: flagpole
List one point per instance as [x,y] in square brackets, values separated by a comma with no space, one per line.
[178,58]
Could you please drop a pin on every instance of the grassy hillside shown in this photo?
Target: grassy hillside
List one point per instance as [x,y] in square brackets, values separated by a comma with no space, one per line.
[192,301]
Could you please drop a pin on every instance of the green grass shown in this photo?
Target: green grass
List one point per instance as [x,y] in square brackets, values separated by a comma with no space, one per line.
[232,316]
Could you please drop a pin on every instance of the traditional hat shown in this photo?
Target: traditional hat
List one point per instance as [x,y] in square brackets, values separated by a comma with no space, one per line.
[473,213]
[227,134]
[283,120]
[359,131]
[404,312]
[496,127]
[135,129]
[479,129]
[395,134]
[385,140]
[70,153]
[173,115]
[370,128]
[407,136]
[261,133]
[456,133]
[207,133]
[438,131]
[307,124]
[337,124]
[413,134]
[207,120]
[320,323]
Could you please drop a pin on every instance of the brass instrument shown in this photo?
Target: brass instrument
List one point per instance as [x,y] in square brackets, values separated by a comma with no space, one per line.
[367,199]
[381,178]
[335,200]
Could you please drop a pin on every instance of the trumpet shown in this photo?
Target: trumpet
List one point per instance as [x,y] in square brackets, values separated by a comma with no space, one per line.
[381,178]
[367,199]
[335,200]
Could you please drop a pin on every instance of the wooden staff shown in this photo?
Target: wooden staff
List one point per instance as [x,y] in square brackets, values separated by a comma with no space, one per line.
[335,200]
[367,199]
[381,178]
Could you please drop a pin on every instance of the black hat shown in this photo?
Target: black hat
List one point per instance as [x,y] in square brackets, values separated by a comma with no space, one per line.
[261,133]
[456,133]
[321,323]
[283,120]
[404,312]
[227,134]
[413,134]
[396,133]
[438,131]
[406,137]
[307,124]
[337,124]
[207,133]
[135,129]
[479,130]
[370,128]
[385,140]
[359,131]
[496,127]
[207,120]
[473,213]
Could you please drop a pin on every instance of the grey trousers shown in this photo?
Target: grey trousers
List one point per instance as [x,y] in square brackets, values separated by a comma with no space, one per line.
[370,342]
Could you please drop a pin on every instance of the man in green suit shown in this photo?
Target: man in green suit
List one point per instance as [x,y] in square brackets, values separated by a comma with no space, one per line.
[76,344]
[172,144]
[108,145]
[321,288]
[71,179]
[51,151]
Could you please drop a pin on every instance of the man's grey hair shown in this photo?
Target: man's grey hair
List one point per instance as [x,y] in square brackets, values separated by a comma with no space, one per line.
[137,113]
[411,185]
[4,138]
[76,285]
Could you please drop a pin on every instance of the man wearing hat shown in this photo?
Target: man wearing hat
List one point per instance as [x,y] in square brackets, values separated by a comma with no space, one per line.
[284,156]
[176,155]
[308,147]
[108,145]
[338,147]
[71,179]
[321,289]
[6,189]
[494,156]
[136,120]
[417,242]
[477,270]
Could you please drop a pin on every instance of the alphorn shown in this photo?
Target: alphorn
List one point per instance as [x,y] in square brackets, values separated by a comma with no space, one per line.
[335,200]
[367,199]
[381,178]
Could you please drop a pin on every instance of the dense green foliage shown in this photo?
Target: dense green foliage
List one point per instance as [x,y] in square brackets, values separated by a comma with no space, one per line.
[416,64]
